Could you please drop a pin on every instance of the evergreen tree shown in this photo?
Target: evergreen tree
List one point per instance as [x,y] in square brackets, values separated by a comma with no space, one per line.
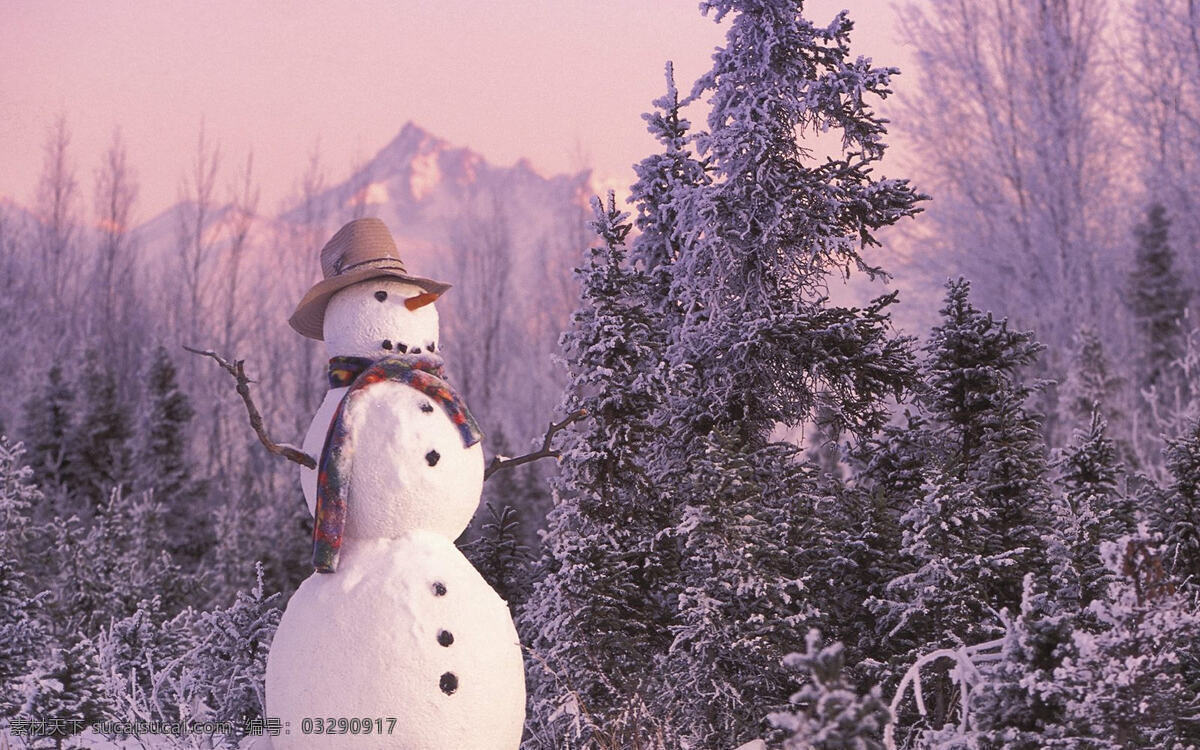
[231,658]
[99,444]
[675,537]
[1136,682]
[499,554]
[1158,301]
[18,497]
[67,684]
[596,615]
[21,634]
[1092,384]
[662,178]
[1177,515]
[831,714]
[101,571]
[141,656]
[162,439]
[49,417]
[162,462]
[975,529]
[1017,704]
[1089,510]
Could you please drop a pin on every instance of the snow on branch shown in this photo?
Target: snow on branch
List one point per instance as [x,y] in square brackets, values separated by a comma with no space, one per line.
[238,371]
[546,451]
[965,674]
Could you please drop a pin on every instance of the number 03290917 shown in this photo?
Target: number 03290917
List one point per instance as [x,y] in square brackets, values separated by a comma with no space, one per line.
[343,725]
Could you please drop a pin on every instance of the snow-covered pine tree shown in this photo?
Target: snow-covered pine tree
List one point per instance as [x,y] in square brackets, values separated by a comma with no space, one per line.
[102,570]
[1177,516]
[1093,384]
[49,418]
[737,242]
[976,529]
[1158,301]
[759,239]
[162,435]
[162,462]
[22,637]
[66,684]
[758,344]
[831,714]
[598,617]
[18,497]
[99,442]
[231,656]
[141,657]
[1088,509]
[499,554]
[1015,703]
[662,178]
[1136,683]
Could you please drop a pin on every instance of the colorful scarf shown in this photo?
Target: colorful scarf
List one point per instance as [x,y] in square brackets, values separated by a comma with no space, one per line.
[421,371]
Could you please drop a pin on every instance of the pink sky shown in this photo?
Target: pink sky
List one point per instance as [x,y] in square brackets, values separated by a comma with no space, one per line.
[561,82]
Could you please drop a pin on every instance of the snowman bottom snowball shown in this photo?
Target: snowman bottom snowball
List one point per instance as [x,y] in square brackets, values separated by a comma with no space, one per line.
[406,632]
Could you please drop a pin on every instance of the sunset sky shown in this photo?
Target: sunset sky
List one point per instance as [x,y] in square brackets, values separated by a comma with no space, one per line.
[559,82]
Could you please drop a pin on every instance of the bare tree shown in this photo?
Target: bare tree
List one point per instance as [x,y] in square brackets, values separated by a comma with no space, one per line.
[58,213]
[1009,134]
[195,240]
[239,221]
[115,194]
[481,244]
[1161,41]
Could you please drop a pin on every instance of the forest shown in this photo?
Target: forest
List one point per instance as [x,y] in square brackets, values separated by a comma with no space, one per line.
[862,462]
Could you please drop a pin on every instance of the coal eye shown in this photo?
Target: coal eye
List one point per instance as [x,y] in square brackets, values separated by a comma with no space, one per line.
[381,296]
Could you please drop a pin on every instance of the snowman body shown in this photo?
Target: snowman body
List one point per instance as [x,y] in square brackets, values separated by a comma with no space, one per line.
[405,633]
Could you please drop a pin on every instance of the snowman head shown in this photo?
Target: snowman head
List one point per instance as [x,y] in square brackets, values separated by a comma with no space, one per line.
[381,317]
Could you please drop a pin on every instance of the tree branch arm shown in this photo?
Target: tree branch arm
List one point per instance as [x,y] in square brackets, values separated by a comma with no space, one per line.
[546,451]
[238,371]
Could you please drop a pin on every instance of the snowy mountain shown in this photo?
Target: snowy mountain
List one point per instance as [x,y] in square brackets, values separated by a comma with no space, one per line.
[423,187]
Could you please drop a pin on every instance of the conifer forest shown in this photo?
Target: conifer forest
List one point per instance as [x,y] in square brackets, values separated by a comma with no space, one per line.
[846,453]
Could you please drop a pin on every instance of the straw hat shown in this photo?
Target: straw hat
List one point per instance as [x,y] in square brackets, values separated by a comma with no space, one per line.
[361,250]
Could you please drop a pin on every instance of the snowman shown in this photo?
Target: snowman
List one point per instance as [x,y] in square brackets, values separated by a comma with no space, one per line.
[395,641]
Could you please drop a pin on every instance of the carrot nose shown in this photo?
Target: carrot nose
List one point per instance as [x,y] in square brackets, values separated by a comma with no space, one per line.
[415,303]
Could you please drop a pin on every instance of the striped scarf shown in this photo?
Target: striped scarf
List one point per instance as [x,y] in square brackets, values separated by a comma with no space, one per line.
[423,372]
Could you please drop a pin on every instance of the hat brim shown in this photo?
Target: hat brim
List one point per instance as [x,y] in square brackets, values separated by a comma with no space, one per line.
[309,318]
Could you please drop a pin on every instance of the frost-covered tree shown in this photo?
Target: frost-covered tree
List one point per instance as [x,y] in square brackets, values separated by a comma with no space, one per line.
[1134,683]
[67,684]
[22,637]
[974,529]
[1161,114]
[1016,703]
[741,227]
[831,714]
[1158,301]
[99,442]
[1010,130]
[1094,384]
[141,657]
[1177,515]
[597,615]
[47,429]
[231,656]
[1088,509]
[163,465]
[162,435]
